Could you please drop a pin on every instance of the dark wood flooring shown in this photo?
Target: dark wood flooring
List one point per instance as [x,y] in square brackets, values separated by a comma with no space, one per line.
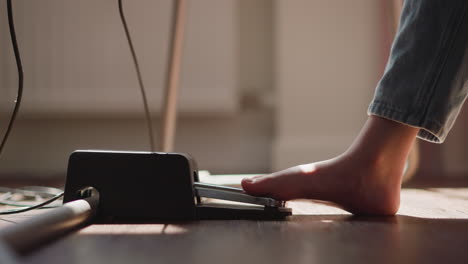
[431,227]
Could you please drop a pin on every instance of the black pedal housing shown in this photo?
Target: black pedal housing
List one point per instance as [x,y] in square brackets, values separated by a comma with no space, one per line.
[147,187]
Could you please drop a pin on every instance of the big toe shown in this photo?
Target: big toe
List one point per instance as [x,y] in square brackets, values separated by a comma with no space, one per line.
[283,185]
[255,186]
[266,186]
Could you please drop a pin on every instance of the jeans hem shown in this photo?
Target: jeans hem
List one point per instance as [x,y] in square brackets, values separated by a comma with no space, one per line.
[430,130]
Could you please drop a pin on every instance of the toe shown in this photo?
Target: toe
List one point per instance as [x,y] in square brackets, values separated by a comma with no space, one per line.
[255,186]
[278,185]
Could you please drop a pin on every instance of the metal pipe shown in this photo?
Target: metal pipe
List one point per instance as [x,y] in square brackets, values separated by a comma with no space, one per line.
[6,256]
[168,129]
[26,236]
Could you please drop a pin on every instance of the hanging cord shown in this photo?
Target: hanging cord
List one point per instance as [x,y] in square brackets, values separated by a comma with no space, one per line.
[19,66]
[140,80]
[20,94]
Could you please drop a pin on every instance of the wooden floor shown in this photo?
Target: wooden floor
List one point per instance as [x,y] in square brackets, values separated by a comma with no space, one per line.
[431,227]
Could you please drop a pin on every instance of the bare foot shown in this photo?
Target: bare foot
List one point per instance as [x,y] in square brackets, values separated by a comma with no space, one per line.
[366,179]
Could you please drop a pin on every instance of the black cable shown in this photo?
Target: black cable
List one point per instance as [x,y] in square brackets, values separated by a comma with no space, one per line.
[140,79]
[21,210]
[19,66]
[20,197]
[20,95]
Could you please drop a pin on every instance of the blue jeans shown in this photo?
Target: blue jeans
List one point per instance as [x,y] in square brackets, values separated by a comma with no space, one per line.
[425,81]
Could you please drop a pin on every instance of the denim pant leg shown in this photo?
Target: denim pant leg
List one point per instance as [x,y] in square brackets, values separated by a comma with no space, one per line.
[426,79]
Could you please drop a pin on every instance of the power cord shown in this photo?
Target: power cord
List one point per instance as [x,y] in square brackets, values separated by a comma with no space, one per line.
[138,73]
[29,208]
[28,196]
[19,66]
[8,192]
[19,96]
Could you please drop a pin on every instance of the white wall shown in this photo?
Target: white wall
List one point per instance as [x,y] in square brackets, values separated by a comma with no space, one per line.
[455,148]
[77,60]
[327,65]
[230,132]
[318,60]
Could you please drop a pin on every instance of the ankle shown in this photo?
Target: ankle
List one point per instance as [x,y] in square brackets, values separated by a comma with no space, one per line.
[382,138]
[379,153]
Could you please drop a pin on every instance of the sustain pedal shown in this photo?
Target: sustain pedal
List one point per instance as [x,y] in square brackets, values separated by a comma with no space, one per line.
[233,194]
[155,187]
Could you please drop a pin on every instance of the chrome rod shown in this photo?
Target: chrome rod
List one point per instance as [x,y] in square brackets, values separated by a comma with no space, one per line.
[233,194]
[24,237]
[169,112]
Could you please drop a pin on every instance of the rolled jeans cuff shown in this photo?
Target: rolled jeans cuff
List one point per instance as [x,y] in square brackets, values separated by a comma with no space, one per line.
[430,130]
[426,78]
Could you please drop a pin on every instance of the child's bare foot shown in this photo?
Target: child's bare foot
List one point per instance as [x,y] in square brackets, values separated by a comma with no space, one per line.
[366,179]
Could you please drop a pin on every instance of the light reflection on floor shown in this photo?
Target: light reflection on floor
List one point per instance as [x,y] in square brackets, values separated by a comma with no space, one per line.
[146,229]
[434,203]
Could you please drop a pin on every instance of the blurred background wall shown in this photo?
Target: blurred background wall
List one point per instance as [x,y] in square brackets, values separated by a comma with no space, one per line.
[327,65]
[266,84]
